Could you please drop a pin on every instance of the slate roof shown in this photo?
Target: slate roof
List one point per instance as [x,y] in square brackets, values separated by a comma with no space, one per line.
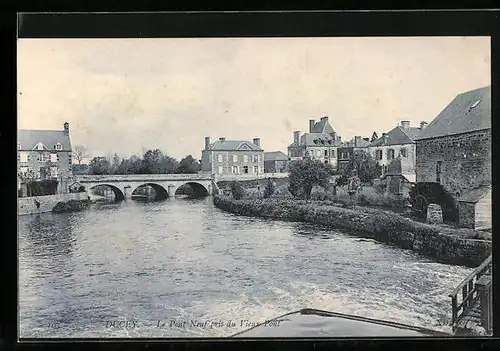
[275,156]
[398,136]
[475,195]
[233,145]
[30,138]
[323,126]
[467,112]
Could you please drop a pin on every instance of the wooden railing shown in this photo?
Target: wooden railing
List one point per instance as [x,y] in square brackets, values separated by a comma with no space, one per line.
[471,294]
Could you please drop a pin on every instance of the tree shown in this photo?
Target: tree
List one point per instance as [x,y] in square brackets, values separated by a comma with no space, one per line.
[363,165]
[99,165]
[188,165]
[115,164]
[168,164]
[80,152]
[269,189]
[236,190]
[307,173]
[374,137]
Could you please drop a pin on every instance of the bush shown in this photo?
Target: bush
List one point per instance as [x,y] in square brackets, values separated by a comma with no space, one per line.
[270,189]
[237,190]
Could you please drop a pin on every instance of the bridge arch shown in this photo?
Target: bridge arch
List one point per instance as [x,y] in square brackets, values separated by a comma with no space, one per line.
[160,192]
[193,190]
[119,196]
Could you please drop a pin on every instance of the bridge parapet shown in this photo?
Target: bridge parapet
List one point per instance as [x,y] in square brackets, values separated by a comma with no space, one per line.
[142,177]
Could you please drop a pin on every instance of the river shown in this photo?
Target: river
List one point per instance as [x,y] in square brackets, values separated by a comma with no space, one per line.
[161,267]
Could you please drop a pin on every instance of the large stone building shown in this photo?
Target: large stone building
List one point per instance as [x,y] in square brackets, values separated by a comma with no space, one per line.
[455,148]
[275,162]
[321,143]
[400,141]
[225,157]
[46,154]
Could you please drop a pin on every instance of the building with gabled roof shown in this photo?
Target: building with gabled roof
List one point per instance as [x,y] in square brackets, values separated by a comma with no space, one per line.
[46,154]
[398,142]
[474,208]
[275,162]
[320,143]
[455,148]
[232,157]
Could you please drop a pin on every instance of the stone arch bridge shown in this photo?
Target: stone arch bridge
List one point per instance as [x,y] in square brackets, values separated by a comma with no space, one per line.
[165,185]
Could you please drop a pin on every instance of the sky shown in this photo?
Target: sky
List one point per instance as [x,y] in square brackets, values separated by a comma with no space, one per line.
[128,95]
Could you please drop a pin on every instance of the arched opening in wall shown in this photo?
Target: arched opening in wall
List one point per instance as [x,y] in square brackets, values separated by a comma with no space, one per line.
[150,192]
[192,190]
[106,192]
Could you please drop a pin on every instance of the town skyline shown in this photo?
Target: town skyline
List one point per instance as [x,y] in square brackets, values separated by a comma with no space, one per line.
[156,99]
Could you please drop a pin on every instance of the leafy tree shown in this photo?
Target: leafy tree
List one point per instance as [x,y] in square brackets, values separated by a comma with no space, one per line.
[80,152]
[99,165]
[115,164]
[168,164]
[237,190]
[188,165]
[269,189]
[363,165]
[305,174]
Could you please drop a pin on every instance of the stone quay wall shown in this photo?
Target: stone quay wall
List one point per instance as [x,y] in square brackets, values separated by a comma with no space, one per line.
[447,245]
[72,201]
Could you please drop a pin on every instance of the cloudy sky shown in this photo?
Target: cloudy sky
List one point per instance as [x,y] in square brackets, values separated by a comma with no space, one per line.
[126,95]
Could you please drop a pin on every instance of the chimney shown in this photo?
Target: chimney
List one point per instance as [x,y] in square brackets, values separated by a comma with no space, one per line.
[357,140]
[256,141]
[311,125]
[222,139]
[296,138]
[207,142]
[423,124]
[405,125]
[66,127]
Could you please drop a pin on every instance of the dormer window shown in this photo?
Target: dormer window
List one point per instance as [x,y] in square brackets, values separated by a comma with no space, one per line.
[39,146]
[18,145]
[58,146]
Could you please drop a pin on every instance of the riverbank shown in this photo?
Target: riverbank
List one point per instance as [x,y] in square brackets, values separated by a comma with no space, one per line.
[52,203]
[447,245]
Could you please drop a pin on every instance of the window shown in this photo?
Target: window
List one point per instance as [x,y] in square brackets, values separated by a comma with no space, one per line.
[475,104]
[326,162]
[318,153]
[245,169]
[58,146]
[39,146]
[18,145]
[23,170]
[44,157]
[220,169]
[255,158]
[326,153]
[53,172]
[378,154]
[256,169]
[23,157]
[245,159]
[332,153]
[235,158]
[53,158]
[390,154]
[220,158]
[439,165]
[235,170]
[403,152]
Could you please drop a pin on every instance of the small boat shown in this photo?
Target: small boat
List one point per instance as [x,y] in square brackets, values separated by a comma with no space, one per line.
[312,323]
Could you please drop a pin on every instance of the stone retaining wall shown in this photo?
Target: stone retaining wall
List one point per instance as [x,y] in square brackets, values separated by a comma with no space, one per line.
[447,246]
[28,205]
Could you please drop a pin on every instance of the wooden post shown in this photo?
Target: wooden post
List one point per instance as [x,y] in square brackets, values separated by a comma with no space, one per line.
[483,287]
[454,309]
